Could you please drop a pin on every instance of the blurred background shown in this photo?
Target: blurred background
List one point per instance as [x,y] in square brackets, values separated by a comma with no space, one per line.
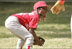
[55,30]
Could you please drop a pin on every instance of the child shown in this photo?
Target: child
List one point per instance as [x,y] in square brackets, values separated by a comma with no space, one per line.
[23,25]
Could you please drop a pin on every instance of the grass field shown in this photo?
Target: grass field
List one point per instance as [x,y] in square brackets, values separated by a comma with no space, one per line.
[55,37]
[55,30]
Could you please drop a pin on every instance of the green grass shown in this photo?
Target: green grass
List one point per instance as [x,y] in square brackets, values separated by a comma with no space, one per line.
[49,43]
[55,30]
[56,36]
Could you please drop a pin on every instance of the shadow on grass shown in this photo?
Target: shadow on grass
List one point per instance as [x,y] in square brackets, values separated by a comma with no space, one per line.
[5,35]
[65,33]
[56,35]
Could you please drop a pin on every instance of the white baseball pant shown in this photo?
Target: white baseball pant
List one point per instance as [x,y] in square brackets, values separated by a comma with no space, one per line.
[71,23]
[13,25]
[71,27]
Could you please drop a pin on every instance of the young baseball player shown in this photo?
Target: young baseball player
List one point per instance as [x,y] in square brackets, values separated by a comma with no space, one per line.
[23,25]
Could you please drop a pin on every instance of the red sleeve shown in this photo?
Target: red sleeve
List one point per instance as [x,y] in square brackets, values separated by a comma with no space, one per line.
[33,23]
[61,1]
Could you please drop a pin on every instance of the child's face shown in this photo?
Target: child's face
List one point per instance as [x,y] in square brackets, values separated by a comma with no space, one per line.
[42,13]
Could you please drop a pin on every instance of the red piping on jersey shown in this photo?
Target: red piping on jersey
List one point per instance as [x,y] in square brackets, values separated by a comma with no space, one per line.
[61,1]
[28,47]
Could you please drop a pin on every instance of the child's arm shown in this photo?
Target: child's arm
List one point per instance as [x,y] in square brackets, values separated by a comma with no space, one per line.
[32,31]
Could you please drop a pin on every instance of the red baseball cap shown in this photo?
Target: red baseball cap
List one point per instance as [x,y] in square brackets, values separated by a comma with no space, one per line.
[39,4]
